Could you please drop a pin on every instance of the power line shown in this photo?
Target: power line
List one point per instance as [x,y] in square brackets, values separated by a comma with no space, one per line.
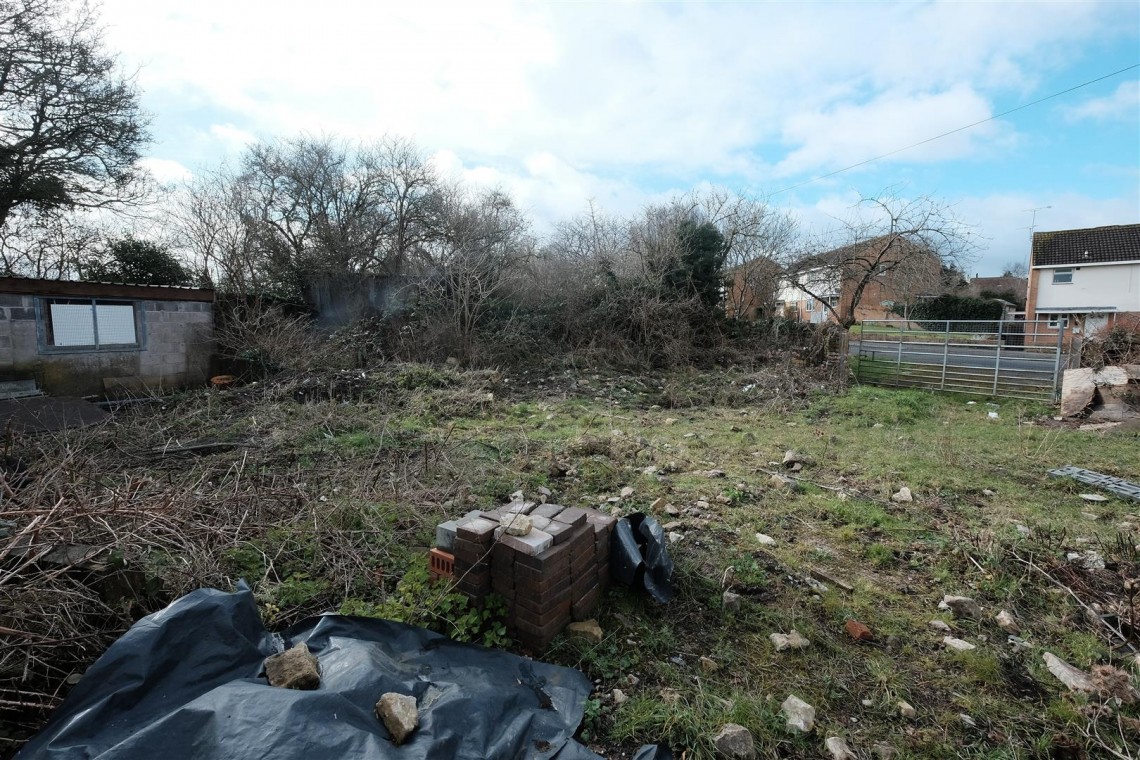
[959,129]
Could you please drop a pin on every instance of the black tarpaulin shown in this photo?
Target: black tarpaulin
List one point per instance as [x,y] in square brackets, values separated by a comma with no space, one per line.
[187,682]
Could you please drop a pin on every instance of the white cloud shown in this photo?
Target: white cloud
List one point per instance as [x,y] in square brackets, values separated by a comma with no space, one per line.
[848,133]
[165,170]
[230,137]
[1123,103]
[680,87]
[548,188]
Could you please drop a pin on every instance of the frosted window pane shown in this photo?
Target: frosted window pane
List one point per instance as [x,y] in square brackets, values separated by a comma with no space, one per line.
[116,323]
[72,324]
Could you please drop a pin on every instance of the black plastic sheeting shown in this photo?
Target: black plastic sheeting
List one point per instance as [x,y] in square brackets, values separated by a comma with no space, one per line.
[187,682]
[638,557]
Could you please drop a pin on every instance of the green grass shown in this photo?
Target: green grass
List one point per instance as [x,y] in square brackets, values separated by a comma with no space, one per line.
[433,448]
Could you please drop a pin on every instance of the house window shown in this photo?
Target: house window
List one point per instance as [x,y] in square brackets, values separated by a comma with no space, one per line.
[1058,319]
[810,304]
[88,323]
[1062,276]
[833,300]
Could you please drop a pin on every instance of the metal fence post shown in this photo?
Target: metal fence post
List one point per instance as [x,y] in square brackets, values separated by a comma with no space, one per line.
[898,361]
[945,357]
[1057,359]
[997,359]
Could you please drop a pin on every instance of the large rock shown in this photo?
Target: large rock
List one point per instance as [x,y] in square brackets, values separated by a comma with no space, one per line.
[295,668]
[735,741]
[1111,376]
[399,714]
[731,601]
[1078,386]
[799,714]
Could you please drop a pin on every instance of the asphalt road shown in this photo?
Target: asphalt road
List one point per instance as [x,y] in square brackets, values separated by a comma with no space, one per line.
[1014,361]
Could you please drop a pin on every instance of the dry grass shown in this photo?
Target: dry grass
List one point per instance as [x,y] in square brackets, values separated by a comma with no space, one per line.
[322,492]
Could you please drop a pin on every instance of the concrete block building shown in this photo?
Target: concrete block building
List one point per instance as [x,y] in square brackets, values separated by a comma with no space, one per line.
[92,338]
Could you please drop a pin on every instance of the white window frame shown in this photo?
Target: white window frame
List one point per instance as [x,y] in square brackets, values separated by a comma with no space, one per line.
[45,326]
[1063,271]
[1058,319]
[809,304]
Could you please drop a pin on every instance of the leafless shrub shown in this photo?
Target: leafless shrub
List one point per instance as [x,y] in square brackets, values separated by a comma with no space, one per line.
[268,340]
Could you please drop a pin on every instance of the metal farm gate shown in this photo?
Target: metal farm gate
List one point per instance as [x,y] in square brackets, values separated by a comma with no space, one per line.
[1014,359]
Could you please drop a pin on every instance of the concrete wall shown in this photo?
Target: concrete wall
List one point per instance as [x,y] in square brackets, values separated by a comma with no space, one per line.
[176,342]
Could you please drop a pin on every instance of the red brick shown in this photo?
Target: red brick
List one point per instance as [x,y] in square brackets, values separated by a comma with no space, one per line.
[557,613]
[545,601]
[551,559]
[560,532]
[584,608]
[478,531]
[571,516]
[547,510]
[584,584]
[537,588]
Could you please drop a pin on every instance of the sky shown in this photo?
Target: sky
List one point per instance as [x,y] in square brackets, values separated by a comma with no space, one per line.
[628,103]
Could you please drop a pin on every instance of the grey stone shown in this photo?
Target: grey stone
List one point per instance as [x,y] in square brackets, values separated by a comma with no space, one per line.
[791,640]
[587,629]
[838,749]
[903,496]
[735,741]
[619,696]
[957,644]
[295,668]
[962,607]
[885,751]
[731,601]
[515,524]
[906,709]
[765,540]
[399,715]
[799,714]
[1074,678]
[940,625]
[1006,622]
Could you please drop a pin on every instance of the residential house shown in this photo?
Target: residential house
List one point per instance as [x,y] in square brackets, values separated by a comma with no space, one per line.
[1085,280]
[899,274]
[87,338]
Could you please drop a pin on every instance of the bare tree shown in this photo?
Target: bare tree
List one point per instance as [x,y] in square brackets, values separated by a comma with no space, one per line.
[49,246]
[887,235]
[210,230]
[476,262]
[301,209]
[71,128]
[1015,268]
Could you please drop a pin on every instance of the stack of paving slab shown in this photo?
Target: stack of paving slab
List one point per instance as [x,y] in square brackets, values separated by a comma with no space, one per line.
[554,572]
